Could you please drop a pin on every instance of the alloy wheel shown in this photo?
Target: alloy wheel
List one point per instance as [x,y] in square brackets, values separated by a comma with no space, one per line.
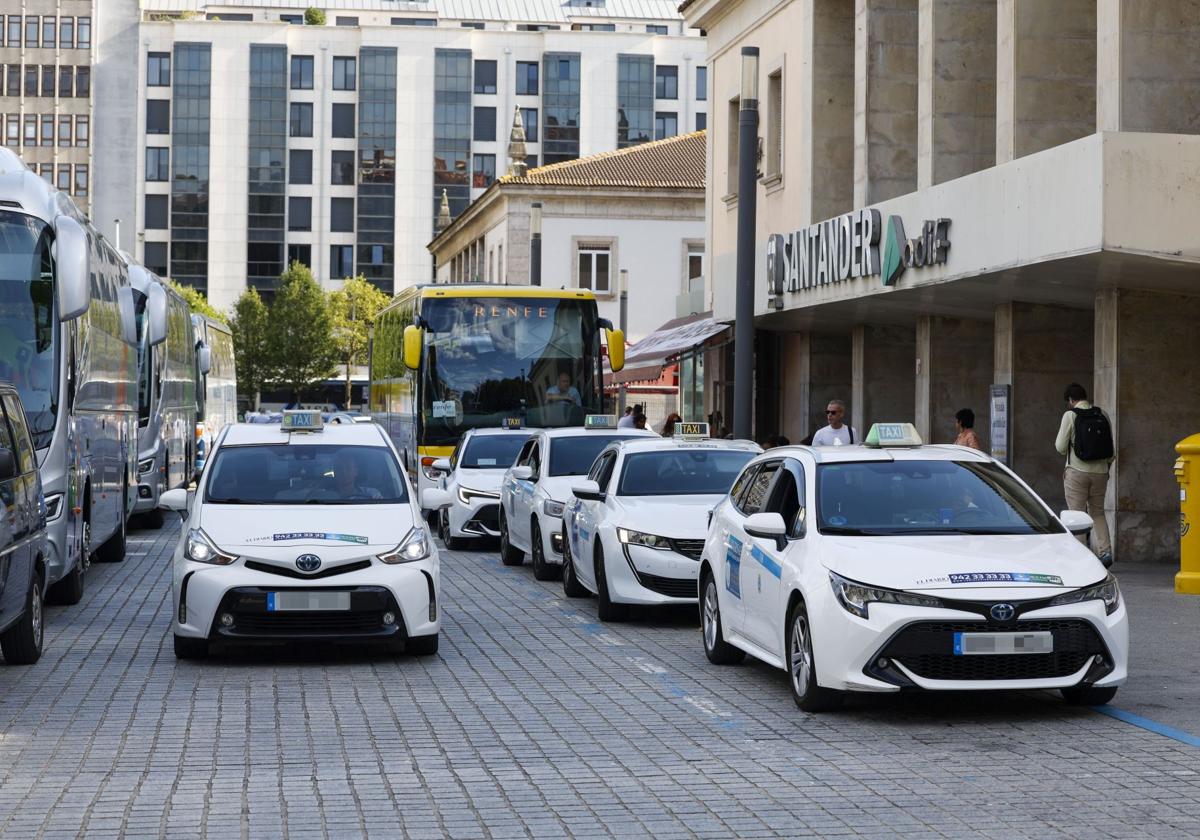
[800,655]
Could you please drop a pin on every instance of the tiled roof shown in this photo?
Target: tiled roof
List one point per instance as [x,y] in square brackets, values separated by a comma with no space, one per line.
[674,163]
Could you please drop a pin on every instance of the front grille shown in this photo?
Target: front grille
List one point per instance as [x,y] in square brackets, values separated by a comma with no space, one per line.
[251,620]
[927,649]
[671,587]
[689,548]
[489,517]
[317,575]
[307,623]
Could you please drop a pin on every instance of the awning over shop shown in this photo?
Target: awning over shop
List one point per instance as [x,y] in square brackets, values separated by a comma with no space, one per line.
[645,360]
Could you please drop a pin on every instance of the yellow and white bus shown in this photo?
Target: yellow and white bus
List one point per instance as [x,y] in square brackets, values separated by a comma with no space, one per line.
[447,358]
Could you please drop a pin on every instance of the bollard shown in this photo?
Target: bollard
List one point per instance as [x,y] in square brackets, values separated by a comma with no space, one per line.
[1187,582]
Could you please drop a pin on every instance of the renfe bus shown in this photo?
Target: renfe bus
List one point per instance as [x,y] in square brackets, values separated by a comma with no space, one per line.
[217,389]
[447,358]
[68,342]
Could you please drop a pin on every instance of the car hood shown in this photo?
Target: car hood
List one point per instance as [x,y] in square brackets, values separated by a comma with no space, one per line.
[488,481]
[332,532]
[963,563]
[681,517]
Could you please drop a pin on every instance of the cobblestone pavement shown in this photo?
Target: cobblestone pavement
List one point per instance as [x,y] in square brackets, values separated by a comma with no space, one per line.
[534,720]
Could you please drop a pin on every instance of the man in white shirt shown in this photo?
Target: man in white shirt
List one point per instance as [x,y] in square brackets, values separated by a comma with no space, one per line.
[837,433]
[626,421]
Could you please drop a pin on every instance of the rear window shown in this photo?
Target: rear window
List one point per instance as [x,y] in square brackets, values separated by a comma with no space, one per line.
[681,472]
[491,451]
[574,455]
[273,474]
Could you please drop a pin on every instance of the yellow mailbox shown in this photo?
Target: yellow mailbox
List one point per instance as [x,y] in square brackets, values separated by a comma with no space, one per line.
[1186,471]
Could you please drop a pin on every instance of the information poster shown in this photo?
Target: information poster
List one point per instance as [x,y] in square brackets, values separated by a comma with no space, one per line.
[1000,426]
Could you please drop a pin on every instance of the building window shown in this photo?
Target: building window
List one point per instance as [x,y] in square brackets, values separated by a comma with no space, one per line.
[158,116]
[65,123]
[66,33]
[702,83]
[30,130]
[343,120]
[529,119]
[452,130]
[82,130]
[344,68]
[14,79]
[527,78]
[191,77]
[485,124]
[47,173]
[666,124]
[158,159]
[47,129]
[666,81]
[701,120]
[266,205]
[31,80]
[485,76]
[81,180]
[414,22]
[375,207]
[655,29]
[731,144]
[66,81]
[154,256]
[294,20]
[158,69]
[12,130]
[341,169]
[83,32]
[695,267]
[156,212]
[48,80]
[635,99]
[64,177]
[774,161]
[483,171]
[49,30]
[31,31]
[346,21]
[302,72]
[14,30]
[471,24]
[341,261]
[538,27]
[83,82]
[299,213]
[593,261]
[341,215]
[594,27]
[300,166]
[560,107]
[301,254]
[300,120]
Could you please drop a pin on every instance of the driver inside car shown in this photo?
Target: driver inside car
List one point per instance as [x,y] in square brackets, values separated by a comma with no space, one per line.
[345,479]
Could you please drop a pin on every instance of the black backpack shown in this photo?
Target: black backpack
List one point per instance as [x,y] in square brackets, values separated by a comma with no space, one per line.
[1093,435]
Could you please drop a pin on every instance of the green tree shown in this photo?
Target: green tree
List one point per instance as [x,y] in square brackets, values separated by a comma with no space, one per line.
[250,352]
[300,346]
[314,17]
[354,308]
[197,302]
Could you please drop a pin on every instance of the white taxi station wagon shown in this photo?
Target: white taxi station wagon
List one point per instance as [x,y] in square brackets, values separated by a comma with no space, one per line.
[303,532]
[633,531]
[472,476]
[893,566]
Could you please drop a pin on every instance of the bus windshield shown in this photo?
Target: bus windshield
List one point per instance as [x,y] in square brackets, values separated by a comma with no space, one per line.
[491,358]
[28,328]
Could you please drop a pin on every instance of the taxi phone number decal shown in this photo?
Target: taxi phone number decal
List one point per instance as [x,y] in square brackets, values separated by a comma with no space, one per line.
[314,535]
[1003,577]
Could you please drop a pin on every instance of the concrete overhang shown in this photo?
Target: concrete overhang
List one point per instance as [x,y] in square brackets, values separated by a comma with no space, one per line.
[1113,210]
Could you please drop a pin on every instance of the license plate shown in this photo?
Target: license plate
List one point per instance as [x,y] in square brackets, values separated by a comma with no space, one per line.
[975,644]
[310,601]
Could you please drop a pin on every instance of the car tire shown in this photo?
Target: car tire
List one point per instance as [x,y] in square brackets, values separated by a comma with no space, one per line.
[801,666]
[422,645]
[153,519]
[607,609]
[718,651]
[572,588]
[22,643]
[113,549]
[451,543]
[541,569]
[187,647]
[1088,695]
[69,589]
[509,555]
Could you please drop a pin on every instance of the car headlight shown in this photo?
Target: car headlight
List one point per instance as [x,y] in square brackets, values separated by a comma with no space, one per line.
[467,496]
[54,506]
[855,597]
[200,548]
[145,466]
[552,508]
[415,546]
[1106,591]
[629,537]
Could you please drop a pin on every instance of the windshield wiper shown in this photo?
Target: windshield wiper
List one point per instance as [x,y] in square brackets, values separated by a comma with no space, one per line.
[213,501]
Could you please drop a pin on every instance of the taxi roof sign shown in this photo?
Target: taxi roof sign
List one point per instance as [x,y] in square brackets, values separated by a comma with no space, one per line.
[892,434]
[690,431]
[512,423]
[302,420]
[600,421]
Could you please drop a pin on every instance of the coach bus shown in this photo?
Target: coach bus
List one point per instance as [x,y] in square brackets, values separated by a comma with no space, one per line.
[447,358]
[217,383]
[68,342]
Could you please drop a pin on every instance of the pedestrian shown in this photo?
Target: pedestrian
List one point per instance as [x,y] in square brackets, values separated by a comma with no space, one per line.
[668,429]
[626,421]
[777,440]
[838,432]
[964,423]
[1085,437]
[639,420]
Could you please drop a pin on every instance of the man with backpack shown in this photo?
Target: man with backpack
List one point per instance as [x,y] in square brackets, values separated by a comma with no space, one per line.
[1085,437]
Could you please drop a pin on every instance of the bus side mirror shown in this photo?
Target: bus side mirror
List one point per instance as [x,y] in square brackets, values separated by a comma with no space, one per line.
[127,309]
[156,315]
[616,350]
[414,337]
[204,359]
[71,257]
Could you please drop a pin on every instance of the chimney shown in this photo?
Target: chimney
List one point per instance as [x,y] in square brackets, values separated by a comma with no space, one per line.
[516,146]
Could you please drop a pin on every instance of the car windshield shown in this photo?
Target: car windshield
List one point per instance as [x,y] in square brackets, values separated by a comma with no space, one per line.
[890,498]
[681,472]
[273,474]
[574,455]
[487,452]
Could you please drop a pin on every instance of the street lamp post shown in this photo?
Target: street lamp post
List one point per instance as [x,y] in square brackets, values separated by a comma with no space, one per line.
[743,325]
[623,317]
[535,244]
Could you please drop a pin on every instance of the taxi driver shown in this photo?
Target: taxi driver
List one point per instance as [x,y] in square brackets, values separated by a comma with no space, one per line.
[345,478]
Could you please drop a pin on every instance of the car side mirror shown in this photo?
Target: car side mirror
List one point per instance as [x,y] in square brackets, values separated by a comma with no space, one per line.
[176,500]
[441,464]
[72,259]
[156,315]
[435,498]
[1078,522]
[8,464]
[588,491]
[768,526]
[522,473]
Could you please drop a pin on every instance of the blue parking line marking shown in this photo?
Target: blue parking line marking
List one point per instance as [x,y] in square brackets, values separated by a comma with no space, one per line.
[1149,725]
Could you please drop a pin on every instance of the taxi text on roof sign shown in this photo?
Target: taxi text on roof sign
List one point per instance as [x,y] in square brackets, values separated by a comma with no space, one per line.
[691,431]
[892,434]
[513,423]
[302,421]
[600,421]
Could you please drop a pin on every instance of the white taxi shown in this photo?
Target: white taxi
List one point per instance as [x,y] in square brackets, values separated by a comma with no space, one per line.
[470,506]
[893,566]
[303,532]
[538,484]
[634,529]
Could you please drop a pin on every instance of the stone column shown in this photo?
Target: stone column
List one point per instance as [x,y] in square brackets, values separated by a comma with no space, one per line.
[830,373]
[883,376]
[954,370]
[831,69]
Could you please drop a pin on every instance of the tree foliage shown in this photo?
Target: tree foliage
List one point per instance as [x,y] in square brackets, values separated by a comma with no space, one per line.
[354,308]
[250,352]
[300,346]
[314,17]
[198,303]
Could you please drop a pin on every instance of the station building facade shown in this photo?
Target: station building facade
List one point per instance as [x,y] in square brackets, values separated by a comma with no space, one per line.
[971,204]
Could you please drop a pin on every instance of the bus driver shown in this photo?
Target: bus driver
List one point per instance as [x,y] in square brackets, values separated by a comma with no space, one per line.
[564,391]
